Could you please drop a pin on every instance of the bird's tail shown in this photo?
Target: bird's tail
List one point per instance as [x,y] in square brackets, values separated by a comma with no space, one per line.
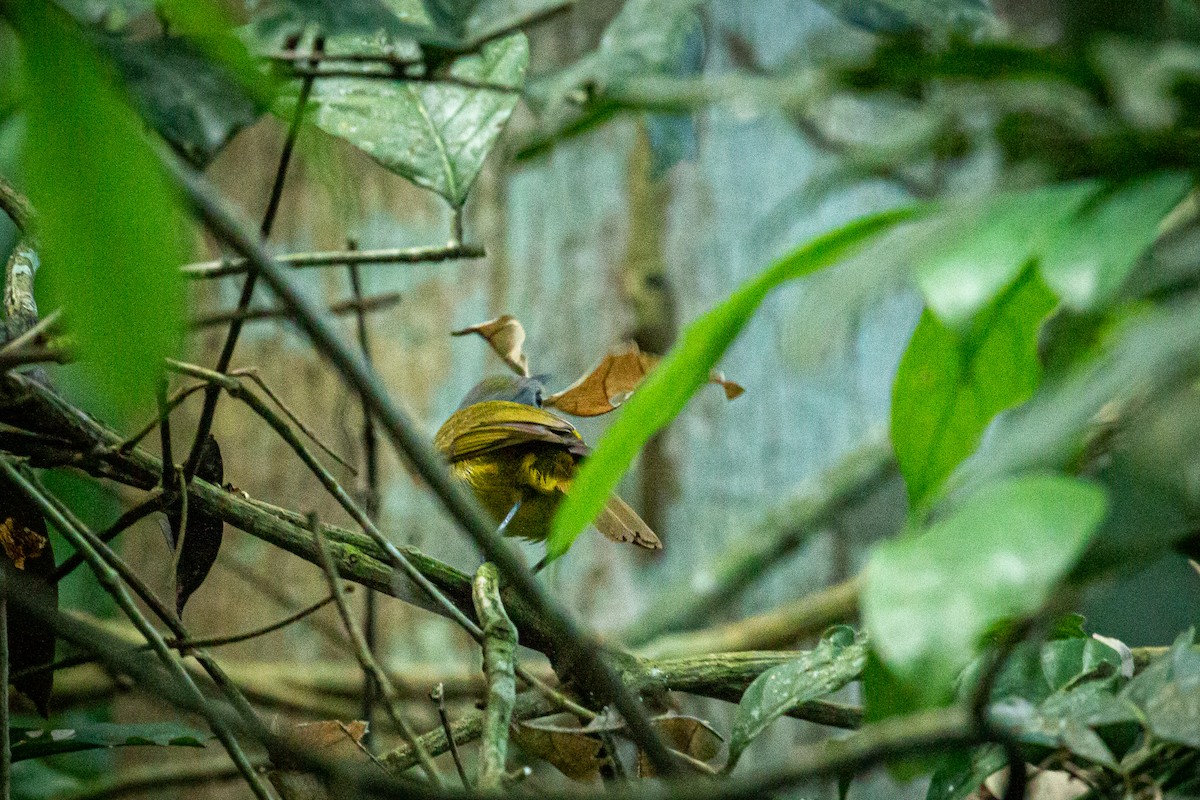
[621,523]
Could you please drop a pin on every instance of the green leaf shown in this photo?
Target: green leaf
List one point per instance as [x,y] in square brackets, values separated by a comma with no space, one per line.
[111,230]
[41,742]
[984,248]
[1067,661]
[1169,693]
[950,385]
[356,17]
[899,16]
[963,772]
[686,368]
[927,612]
[838,659]
[193,103]
[436,135]
[1087,261]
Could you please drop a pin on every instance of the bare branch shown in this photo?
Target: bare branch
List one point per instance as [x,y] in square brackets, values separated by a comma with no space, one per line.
[499,650]
[332,258]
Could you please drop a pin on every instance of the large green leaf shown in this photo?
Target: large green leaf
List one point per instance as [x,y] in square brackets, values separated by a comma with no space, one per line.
[112,233]
[686,368]
[962,773]
[435,134]
[1169,693]
[41,742]
[983,248]
[1087,261]
[836,661]
[950,385]
[929,598]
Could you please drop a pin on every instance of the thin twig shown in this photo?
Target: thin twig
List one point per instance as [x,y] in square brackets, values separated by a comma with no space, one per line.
[34,335]
[186,645]
[273,591]
[438,696]
[325,73]
[339,309]
[213,394]
[17,206]
[365,659]
[5,739]
[579,654]
[91,548]
[499,650]
[157,501]
[370,489]
[332,258]
[260,382]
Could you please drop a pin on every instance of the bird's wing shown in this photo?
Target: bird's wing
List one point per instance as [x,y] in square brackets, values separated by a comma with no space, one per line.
[621,523]
[496,424]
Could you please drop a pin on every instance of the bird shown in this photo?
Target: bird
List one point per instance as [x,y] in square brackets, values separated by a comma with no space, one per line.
[519,460]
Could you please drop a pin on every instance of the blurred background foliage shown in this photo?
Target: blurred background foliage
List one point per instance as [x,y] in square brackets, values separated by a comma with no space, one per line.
[627,167]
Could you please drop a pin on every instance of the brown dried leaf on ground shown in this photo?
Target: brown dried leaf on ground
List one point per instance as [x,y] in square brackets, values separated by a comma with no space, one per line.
[506,336]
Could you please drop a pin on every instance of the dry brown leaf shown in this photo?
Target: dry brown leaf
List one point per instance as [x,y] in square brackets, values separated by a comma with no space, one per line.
[332,739]
[732,390]
[607,386]
[572,751]
[617,375]
[506,336]
[688,735]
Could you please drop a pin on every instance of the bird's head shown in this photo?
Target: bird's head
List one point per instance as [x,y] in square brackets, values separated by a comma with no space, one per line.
[513,388]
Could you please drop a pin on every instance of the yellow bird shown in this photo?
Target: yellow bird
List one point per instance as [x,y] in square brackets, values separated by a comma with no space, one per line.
[519,460]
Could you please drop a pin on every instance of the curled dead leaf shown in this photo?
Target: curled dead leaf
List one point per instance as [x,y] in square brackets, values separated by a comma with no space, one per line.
[506,336]
[328,739]
[573,751]
[611,382]
[605,387]
[688,735]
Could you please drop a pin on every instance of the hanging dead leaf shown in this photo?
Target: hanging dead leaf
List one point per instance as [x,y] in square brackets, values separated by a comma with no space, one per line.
[202,540]
[571,750]
[506,336]
[732,390]
[328,739]
[688,735]
[27,548]
[609,385]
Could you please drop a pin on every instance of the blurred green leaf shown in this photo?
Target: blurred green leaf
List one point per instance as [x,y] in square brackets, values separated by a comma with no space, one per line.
[898,16]
[358,17]
[837,660]
[963,772]
[435,134]
[450,15]
[950,385]
[686,368]
[41,742]
[193,103]
[1087,261]
[1169,693]
[926,615]
[1066,661]
[111,229]
[983,248]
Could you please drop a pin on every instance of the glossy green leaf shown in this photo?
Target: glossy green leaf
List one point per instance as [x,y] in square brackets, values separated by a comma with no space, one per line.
[111,230]
[686,368]
[837,660]
[929,598]
[435,134]
[962,773]
[983,249]
[950,385]
[1087,261]
[41,742]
